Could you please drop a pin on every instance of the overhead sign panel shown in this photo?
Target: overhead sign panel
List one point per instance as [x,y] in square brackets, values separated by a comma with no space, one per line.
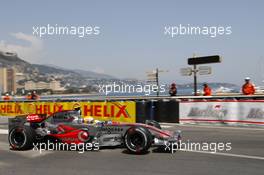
[186,71]
[151,75]
[204,60]
[204,70]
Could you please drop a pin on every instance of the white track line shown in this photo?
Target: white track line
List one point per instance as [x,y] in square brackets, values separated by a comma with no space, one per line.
[34,154]
[216,127]
[3,131]
[27,154]
[3,164]
[166,126]
[227,154]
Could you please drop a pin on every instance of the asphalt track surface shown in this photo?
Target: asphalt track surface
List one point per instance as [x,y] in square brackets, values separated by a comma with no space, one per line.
[245,157]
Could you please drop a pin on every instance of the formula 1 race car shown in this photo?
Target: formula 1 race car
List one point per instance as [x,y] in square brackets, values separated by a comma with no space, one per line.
[69,127]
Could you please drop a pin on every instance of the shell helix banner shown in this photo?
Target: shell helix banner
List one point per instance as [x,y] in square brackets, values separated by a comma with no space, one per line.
[119,111]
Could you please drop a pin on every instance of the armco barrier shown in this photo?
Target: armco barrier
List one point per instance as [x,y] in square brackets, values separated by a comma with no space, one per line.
[241,110]
[120,111]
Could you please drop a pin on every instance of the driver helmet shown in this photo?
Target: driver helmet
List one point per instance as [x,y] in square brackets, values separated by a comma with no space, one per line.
[89,120]
[76,118]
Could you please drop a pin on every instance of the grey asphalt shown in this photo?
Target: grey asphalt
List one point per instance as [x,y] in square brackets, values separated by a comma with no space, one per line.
[3,122]
[245,157]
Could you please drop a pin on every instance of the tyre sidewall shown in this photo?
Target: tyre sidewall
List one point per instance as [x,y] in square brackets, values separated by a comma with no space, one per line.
[144,133]
[29,136]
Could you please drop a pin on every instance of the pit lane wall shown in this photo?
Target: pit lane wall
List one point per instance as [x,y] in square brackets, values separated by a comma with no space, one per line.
[118,111]
[227,112]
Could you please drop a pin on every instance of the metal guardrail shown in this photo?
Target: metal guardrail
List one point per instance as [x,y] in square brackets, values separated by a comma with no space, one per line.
[125,98]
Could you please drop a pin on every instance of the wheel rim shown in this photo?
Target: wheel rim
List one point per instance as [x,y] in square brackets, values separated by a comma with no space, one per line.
[17,138]
[137,140]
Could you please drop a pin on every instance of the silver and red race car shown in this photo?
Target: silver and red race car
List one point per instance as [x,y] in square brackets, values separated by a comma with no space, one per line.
[70,128]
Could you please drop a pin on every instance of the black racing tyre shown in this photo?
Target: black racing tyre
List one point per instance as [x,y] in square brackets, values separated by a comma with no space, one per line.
[138,140]
[153,123]
[21,138]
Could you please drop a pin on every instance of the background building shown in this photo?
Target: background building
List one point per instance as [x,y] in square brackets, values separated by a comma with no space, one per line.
[7,80]
[40,85]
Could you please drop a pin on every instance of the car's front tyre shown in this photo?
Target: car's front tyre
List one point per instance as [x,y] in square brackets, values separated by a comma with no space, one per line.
[138,140]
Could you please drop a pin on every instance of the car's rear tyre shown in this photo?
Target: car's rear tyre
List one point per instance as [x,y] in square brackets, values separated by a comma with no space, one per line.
[21,138]
[138,140]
